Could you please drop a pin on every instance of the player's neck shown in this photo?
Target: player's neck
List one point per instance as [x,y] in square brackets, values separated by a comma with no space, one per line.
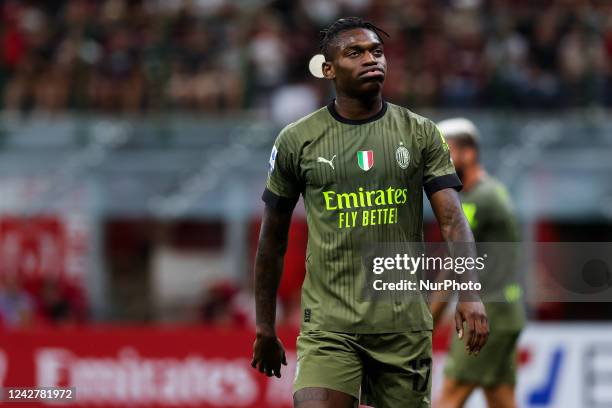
[473,177]
[358,108]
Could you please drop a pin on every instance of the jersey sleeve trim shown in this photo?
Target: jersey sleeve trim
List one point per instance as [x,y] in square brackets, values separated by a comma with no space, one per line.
[278,202]
[442,182]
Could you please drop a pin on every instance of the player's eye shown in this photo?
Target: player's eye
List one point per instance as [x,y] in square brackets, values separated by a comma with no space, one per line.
[352,53]
[378,52]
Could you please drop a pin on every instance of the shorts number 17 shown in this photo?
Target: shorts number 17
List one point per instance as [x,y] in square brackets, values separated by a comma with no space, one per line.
[416,365]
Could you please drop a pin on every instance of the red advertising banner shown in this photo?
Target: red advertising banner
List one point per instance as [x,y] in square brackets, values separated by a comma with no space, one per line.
[32,247]
[178,366]
[147,366]
[43,247]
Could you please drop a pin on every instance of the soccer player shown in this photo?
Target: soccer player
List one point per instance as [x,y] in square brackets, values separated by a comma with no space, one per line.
[361,165]
[489,211]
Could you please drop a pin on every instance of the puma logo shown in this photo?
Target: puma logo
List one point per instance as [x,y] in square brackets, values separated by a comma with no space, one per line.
[324,160]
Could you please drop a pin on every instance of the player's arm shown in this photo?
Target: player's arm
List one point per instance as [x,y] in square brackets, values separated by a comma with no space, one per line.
[283,188]
[268,351]
[454,227]
[439,299]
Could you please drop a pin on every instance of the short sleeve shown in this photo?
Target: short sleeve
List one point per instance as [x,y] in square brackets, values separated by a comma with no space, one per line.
[439,172]
[283,185]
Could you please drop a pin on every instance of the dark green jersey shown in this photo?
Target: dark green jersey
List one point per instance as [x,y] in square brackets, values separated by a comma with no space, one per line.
[362,183]
[490,212]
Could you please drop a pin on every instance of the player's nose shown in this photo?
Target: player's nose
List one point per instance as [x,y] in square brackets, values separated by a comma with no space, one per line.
[369,59]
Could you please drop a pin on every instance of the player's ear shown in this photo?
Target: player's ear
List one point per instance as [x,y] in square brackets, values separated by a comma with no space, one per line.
[328,70]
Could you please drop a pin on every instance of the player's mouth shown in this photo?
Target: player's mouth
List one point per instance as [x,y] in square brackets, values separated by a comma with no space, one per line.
[372,73]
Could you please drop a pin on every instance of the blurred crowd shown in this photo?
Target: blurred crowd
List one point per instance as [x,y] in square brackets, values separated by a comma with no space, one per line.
[228,303]
[220,56]
[49,301]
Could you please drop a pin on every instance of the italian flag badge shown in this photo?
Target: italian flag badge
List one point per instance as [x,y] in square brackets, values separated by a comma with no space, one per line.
[365,158]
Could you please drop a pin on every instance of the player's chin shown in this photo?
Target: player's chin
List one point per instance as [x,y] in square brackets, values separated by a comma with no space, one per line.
[372,85]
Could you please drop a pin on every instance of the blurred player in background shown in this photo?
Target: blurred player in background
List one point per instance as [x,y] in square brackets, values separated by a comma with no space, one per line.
[361,165]
[490,214]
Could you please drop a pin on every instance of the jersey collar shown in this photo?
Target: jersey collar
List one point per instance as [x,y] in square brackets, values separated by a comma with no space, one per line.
[331,107]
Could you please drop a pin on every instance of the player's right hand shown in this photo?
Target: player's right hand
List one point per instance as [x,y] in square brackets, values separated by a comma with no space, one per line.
[268,355]
[477,325]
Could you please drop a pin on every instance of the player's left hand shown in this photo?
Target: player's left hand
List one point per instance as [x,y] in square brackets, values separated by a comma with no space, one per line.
[476,330]
[268,355]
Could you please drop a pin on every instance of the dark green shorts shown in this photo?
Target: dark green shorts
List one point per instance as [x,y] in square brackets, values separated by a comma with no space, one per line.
[391,370]
[494,365]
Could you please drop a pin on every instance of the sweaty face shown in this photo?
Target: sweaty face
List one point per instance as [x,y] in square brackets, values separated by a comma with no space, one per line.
[358,66]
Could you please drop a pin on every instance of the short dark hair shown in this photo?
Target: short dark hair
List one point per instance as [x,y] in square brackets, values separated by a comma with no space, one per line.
[329,34]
